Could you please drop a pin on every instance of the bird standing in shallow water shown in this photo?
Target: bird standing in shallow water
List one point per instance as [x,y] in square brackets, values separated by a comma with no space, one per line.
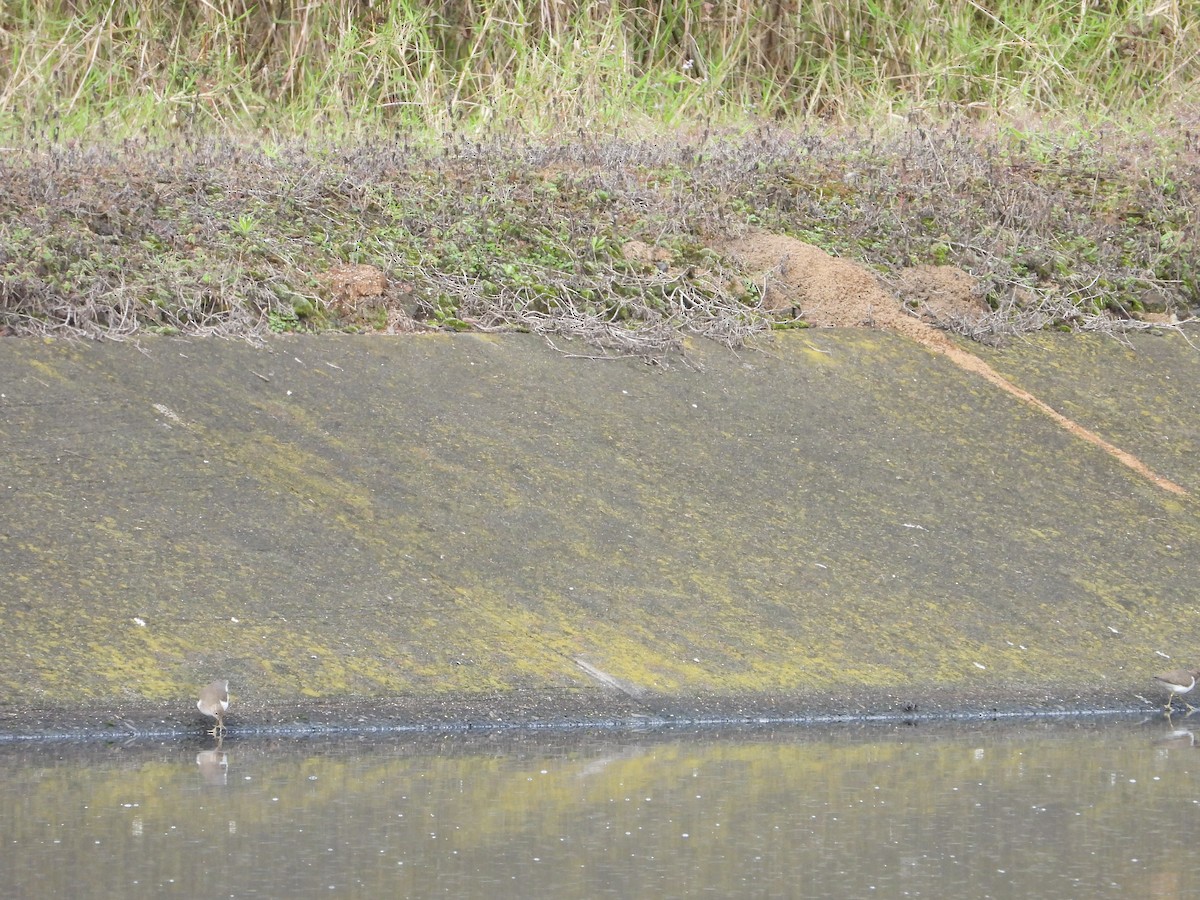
[1178,681]
[214,700]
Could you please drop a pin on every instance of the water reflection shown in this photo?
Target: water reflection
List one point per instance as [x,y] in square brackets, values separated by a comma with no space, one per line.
[1098,809]
[214,766]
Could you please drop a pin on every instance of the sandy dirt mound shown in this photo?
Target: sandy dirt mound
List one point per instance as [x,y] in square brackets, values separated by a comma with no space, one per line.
[823,290]
[829,292]
[364,295]
[941,294]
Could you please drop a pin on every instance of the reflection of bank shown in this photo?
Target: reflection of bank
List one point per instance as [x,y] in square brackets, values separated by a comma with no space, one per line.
[214,766]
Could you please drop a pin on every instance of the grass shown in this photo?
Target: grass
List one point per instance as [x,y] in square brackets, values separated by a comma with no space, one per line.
[293,66]
[506,163]
[212,235]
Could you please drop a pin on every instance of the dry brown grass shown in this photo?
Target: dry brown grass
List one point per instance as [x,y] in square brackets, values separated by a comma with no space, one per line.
[611,238]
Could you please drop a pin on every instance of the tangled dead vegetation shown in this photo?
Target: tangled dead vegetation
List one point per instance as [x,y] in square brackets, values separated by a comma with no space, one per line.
[632,245]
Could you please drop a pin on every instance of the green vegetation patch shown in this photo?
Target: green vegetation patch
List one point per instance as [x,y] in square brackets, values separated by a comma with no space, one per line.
[614,239]
[548,64]
[239,168]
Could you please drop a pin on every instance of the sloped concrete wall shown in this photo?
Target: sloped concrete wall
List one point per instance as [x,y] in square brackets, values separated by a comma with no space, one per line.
[839,521]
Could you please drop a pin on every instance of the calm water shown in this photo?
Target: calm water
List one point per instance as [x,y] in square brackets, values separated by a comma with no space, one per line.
[996,810]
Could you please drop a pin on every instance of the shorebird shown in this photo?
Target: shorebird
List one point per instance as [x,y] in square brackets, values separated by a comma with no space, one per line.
[214,700]
[1178,681]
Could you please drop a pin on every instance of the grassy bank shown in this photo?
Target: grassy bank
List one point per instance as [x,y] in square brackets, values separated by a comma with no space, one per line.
[222,167]
[288,65]
[615,239]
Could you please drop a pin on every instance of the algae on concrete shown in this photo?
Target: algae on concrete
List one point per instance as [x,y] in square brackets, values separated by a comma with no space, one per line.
[838,518]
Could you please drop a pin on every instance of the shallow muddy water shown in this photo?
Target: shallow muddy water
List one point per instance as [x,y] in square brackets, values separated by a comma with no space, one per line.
[1048,810]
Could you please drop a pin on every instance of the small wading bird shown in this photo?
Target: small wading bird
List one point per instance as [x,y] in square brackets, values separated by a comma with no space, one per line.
[214,700]
[1178,681]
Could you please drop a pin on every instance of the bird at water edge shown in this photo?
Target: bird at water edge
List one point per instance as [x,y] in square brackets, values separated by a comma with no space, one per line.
[1178,681]
[214,700]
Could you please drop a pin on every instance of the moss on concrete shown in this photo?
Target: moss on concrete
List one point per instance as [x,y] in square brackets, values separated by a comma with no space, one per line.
[841,514]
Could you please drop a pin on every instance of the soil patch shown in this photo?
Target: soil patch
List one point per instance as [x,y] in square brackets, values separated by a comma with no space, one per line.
[827,291]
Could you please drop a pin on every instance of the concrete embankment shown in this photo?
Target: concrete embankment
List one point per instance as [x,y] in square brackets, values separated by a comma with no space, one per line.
[463,528]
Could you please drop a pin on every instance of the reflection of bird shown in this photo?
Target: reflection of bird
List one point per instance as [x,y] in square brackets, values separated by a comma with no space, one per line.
[213,766]
[1178,681]
[1179,739]
[214,700]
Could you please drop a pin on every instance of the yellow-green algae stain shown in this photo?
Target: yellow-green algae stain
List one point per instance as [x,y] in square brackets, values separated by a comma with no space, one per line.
[836,512]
